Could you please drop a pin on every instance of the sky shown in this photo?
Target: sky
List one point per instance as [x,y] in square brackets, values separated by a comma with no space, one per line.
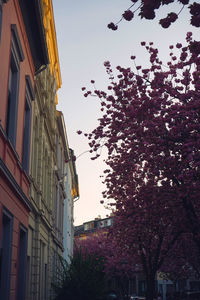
[84,43]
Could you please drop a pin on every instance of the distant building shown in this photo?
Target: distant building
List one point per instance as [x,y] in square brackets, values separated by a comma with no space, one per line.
[91,227]
[23,54]
[184,288]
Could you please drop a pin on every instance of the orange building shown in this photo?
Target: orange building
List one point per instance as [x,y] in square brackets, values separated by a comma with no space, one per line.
[22,54]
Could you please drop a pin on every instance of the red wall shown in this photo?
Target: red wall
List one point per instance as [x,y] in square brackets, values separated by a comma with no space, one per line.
[12,15]
[9,200]
[13,158]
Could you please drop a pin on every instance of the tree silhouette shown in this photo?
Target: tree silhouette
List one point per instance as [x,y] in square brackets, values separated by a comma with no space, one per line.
[82,279]
[146,9]
[150,126]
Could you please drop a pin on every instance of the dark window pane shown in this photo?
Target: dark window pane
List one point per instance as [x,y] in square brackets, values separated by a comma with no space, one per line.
[6,252]
[26,136]
[0,18]
[21,287]
[12,106]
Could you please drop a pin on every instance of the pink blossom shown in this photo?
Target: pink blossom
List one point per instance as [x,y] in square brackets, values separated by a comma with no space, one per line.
[128,15]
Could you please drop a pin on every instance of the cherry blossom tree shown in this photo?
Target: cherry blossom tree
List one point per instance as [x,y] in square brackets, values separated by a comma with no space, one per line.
[148,230]
[147,9]
[118,267]
[105,245]
[184,260]
[150,126]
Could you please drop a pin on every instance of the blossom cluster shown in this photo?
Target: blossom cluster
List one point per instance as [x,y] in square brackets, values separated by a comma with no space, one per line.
[147,10]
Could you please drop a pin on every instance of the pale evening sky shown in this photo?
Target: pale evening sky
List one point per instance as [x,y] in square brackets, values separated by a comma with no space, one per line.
[84,43]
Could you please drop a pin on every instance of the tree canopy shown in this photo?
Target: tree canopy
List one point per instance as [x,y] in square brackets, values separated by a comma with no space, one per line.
[150,126]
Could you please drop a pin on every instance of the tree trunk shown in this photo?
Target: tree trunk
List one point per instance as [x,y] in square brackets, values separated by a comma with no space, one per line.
[151,287]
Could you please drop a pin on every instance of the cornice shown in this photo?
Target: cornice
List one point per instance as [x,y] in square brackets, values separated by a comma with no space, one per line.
[33,29]
[44,220]
[56,241]
[13,183]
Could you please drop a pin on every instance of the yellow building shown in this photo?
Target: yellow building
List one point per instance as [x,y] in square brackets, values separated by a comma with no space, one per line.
[44,242]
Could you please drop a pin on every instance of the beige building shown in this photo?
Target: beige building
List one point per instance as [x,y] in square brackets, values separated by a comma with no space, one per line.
[68,186]
[59,192]
[45,238]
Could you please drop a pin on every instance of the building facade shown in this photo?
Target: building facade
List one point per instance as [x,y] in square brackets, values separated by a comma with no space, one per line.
[72,195]
[22,54]
[36,194]
[67,189]
[44,241]
[42,188]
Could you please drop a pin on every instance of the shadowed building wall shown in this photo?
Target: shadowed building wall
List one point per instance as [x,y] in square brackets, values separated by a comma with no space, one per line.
[21,57]
[42,243]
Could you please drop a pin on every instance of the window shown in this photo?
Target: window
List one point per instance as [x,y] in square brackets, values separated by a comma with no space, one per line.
[55,268]
[14,74]
[29,287]
[21,284]
[46,188]
[12,101]
[1,14]
[55,205]
[27,125]
[35,148]
[26,136]
[5,255]
[43,271]
[1,8]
